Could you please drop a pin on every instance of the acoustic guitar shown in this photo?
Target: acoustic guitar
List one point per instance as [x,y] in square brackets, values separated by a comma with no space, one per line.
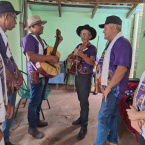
[76,60]
[47,69]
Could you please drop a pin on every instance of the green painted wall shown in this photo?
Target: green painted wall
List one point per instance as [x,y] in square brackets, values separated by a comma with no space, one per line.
[68,24]
[141,52]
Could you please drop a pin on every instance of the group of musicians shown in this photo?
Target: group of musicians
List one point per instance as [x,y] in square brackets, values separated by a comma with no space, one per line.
[111,78]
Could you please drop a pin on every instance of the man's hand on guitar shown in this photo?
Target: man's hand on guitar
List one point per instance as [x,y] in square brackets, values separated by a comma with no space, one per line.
[70,58]
[79,52]
[53,59]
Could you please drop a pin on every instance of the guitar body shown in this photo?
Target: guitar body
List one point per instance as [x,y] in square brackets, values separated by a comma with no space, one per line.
[72,67]
[46,69]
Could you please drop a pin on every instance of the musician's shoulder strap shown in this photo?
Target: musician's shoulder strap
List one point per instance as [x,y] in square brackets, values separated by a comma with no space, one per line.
[46,45]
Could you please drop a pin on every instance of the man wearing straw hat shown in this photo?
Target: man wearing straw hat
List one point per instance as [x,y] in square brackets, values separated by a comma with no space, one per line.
[8,17]
[33,47]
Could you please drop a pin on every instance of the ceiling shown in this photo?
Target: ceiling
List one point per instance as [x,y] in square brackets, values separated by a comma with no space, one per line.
[128,7]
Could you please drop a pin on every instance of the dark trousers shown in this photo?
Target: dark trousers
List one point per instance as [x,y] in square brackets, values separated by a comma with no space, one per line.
[141,139]
[83,85]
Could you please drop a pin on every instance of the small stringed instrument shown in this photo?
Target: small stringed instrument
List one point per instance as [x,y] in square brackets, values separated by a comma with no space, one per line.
[47,69]
[76,61]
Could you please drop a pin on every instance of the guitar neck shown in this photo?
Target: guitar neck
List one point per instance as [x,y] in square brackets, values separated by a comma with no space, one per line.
[55,48]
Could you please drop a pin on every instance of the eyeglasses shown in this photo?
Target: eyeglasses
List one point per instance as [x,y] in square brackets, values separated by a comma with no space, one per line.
[84,34]
[41,24]
[15,18]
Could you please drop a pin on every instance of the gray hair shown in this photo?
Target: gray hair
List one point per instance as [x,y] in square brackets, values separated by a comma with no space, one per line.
[5,13]
[118,27]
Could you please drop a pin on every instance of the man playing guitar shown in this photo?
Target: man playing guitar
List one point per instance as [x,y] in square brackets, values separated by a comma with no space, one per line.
[33,47]
[84,72]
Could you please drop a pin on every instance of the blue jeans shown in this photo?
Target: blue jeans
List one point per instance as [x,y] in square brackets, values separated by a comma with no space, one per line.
[37,94]
[108,121]
[8,122]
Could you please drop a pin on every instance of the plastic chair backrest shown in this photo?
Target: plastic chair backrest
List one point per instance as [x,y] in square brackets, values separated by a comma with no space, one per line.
[47,92]
[24,91]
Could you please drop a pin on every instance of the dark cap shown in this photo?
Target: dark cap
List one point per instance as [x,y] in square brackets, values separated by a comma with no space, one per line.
[6,6]
[113,20]
[87,27]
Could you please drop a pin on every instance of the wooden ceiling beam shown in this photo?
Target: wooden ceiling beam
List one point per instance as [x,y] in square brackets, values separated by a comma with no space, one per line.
[132,10]
[62,4]
[94,10]
[103,1]
[59,8]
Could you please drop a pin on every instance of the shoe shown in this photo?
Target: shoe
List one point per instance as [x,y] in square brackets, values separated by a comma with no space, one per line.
[41,123]
[82,133]
[109,143]
[35,133]
[95,93]
[8,143]
[77,122]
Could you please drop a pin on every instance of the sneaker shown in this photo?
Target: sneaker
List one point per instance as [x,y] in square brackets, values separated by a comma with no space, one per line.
[35,133]
[8,143]
[41,123]
[82,133]
[77,122]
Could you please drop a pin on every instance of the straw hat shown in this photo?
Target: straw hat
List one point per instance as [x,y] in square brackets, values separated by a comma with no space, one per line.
[34,20]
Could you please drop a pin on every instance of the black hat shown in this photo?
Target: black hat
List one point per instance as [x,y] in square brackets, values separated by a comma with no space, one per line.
[87,27]
[113,20]
[6,6]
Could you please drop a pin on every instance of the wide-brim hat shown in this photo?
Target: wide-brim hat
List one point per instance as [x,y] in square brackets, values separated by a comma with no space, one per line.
[87,27]
[34,20]
[6,6]
[113,20]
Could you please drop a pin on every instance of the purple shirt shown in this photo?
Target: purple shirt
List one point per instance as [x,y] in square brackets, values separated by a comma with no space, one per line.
[84,67]
[121,54]
[29,43]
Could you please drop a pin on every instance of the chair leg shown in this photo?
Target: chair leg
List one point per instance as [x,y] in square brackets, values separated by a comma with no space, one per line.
[42,114]
[66,78]
[17,107]
[25,103]
[48,103]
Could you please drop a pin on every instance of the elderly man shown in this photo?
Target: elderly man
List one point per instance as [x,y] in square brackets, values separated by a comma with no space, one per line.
[87,52]
[13,75]
[33,47]
[113,72]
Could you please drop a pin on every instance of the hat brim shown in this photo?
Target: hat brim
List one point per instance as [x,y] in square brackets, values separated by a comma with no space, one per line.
[44,22]
[91,29]
[101,25]
[17,12]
